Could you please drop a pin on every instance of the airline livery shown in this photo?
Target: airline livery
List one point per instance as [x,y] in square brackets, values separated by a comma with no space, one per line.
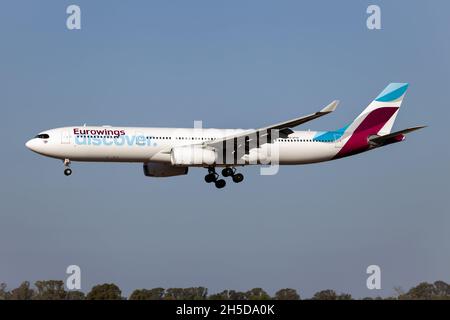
[167,152]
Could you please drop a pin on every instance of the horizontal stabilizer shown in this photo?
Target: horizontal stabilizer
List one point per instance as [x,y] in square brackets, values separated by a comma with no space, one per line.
[398,136]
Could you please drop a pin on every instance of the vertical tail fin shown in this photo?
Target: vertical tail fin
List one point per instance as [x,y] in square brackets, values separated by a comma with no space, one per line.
[380,114]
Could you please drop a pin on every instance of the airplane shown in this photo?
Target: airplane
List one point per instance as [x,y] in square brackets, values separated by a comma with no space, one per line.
[166,152]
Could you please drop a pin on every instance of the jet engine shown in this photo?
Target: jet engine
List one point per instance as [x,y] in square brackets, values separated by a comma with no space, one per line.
[163,170]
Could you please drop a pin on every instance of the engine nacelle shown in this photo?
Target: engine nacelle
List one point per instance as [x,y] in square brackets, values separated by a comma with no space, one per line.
[192,155]
[163,170]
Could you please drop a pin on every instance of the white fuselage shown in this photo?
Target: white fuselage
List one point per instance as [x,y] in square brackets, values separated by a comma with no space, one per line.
[135,144]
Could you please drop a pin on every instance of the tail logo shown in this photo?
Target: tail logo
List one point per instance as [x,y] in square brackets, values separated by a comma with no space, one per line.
[393,92]
[378,116]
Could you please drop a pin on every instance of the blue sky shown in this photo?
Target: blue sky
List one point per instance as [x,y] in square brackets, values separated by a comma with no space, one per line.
[233,64]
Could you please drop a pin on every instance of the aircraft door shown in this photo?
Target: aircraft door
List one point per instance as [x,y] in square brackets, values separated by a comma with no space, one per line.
[65,137]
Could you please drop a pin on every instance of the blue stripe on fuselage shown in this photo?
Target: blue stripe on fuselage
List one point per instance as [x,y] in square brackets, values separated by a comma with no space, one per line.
[330,135]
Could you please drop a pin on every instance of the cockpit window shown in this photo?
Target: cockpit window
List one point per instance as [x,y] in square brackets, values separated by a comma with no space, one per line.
[43,136]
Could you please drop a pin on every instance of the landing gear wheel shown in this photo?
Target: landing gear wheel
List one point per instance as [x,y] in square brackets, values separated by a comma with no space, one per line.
[238,177]
[210,177]
[68,172]
[227,172]
[220,183]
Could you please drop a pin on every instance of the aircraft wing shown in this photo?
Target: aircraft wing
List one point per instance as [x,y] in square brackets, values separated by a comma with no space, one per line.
[284,128]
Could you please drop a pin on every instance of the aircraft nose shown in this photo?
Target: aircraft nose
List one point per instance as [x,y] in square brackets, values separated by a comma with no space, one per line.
[31,144]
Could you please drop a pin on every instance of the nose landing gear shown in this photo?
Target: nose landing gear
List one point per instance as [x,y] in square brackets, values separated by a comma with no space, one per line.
[67,170]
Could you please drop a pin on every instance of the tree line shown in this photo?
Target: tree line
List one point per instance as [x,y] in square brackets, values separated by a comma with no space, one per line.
[55,290]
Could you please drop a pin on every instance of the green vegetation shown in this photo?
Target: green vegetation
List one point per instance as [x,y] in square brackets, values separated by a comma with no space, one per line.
[107,291]
[54,290]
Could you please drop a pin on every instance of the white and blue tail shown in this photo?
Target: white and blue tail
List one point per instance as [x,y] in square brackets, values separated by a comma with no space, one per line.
[380,114]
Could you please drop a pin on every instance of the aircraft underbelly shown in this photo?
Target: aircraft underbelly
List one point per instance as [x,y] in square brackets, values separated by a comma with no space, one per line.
[105,153]
[307,152]
[301,154]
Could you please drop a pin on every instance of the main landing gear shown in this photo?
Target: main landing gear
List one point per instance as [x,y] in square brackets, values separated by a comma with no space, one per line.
[212,176]
[231,172]
[67,170]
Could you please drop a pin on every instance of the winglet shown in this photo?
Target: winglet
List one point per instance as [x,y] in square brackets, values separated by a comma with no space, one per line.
[331,107]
